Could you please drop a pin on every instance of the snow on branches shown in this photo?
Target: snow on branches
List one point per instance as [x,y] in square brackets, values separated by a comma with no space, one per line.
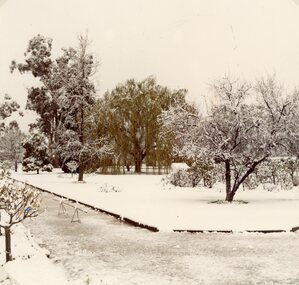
[18,202]
[66,95]
[183,124]
[36,156]
[73,150]
[249,124]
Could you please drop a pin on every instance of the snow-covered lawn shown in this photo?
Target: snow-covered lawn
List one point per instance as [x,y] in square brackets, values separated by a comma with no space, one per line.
[147,200]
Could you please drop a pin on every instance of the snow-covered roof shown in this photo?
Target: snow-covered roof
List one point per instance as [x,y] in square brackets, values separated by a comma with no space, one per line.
[179,166]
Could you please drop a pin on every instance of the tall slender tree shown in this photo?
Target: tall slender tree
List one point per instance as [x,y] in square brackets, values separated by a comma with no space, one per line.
[76,100]
[42,99]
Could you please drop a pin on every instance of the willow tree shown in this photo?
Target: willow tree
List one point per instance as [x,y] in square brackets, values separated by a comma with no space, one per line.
[131,110]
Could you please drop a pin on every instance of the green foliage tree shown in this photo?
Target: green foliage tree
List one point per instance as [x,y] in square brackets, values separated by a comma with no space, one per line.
[131,113]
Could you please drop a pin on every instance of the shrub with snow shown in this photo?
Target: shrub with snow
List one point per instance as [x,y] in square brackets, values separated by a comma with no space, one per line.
[48,167]
[202,170]
[107,188]
[5,168]
[181,178]
[36,156]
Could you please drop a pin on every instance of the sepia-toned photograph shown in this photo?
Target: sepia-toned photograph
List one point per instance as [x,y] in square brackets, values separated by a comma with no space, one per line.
[147,142]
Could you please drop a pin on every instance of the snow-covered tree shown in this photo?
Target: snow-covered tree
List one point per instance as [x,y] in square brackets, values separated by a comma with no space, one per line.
[18,201]
[43,98]
[237,133]
[131,110]
[181,124]
[76,100]
[7,107]
[10,144]
[63,99]
[36,155]
[71,149]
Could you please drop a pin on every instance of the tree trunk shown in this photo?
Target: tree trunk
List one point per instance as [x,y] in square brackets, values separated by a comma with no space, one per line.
[81,172]
[138,163]
[229,195]
[16,165]
[81,139]
[37,171]
[8,244]
[55,161]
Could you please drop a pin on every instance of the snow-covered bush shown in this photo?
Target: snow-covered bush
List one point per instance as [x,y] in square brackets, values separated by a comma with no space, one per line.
[251,182]
[5,168]
[107,188]
[181,178]
[277,171]
[271,187]
[36,156]
[72,166]
[203,169]
[48,167]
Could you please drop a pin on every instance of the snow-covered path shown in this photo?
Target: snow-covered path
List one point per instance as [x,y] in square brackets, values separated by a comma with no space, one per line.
[109,252]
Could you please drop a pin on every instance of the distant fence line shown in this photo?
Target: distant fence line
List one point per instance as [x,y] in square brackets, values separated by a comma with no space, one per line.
[115,169]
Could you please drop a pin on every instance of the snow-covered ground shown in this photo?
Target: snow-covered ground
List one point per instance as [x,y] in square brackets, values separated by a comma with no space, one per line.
[30,264]
[147,200]
[104,251]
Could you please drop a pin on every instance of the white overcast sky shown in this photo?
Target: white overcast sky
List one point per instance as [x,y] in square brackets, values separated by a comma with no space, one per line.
[184,43]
